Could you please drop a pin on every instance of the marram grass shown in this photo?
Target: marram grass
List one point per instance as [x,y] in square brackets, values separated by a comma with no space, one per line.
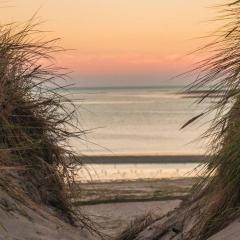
[37,165]
[218,193]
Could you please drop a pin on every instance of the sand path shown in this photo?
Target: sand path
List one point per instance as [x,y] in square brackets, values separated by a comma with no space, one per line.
[114,217]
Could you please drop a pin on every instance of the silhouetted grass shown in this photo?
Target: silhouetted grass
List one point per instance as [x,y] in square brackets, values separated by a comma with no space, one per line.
[219,192]
[136,226]
[37,164]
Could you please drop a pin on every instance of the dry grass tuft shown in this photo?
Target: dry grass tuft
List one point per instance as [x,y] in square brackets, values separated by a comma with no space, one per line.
[136,226]
[35,124]
[220,75]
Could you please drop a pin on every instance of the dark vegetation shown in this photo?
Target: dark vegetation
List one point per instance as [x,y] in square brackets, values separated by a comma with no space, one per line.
[136,226]
[37,164]
[221,73]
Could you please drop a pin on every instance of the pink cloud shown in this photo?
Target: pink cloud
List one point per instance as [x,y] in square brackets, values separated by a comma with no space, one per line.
[125,63]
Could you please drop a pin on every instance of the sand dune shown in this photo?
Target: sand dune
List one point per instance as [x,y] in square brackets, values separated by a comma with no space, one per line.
[19,222]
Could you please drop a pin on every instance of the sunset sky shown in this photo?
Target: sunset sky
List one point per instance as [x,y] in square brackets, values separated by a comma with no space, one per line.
[121,42]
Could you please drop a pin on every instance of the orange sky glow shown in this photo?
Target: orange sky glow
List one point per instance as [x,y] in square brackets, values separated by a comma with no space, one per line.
[116,41]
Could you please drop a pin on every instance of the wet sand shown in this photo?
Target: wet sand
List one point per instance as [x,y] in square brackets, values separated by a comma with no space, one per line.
[134,191]
[113,205]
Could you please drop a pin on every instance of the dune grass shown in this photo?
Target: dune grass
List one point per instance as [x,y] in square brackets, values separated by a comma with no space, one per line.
[136,226]
[37,164]
[220,74]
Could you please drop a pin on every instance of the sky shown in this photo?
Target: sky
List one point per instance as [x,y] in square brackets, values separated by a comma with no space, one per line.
[121,42]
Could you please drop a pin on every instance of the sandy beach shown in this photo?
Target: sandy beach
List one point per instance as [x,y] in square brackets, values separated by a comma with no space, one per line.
[112,218]
[113,205]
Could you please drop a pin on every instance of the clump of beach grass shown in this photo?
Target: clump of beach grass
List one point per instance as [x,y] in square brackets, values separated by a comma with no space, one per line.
[218,193]
[136,226]
[36,161]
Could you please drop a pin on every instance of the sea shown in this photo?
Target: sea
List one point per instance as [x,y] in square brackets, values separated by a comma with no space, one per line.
[138,121]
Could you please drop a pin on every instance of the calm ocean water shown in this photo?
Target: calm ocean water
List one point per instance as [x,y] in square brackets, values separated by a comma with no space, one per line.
[138,121]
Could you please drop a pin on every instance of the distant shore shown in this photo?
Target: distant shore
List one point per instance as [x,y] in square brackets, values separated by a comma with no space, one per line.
[143,159]
[141,190]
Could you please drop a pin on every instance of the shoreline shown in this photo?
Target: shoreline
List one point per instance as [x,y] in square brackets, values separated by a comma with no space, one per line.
[142,190]
[142,159]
